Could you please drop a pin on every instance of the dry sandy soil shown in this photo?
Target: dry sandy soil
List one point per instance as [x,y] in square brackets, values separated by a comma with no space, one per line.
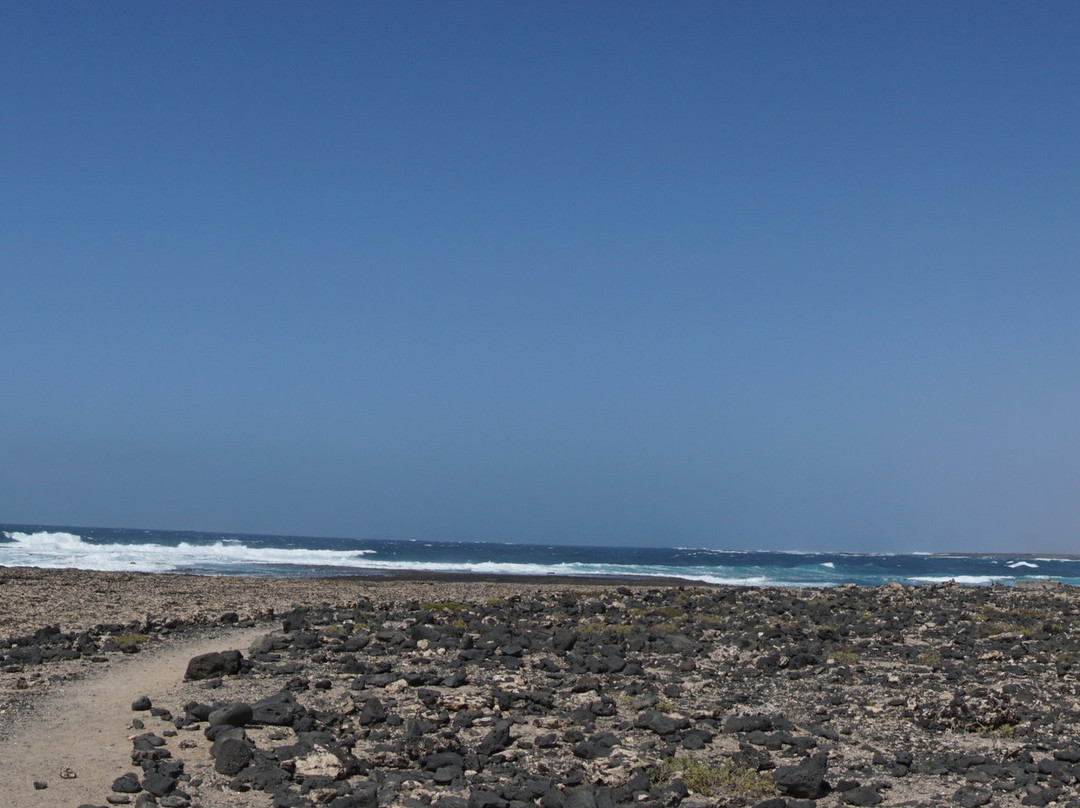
[74,718]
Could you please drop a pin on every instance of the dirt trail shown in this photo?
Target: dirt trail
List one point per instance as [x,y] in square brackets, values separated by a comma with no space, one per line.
[85,725]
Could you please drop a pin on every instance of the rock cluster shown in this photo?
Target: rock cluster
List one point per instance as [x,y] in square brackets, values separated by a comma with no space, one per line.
[633,696]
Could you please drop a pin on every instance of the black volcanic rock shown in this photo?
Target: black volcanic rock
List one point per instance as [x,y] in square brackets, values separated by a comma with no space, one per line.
[127,784]
[280,709]
[235,714]
[806,779]
[214,664]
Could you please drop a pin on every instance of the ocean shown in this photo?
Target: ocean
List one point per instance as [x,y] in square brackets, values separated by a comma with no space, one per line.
[302,556]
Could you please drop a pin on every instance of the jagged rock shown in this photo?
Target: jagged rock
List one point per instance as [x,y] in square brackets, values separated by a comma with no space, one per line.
[279,710]
[320,762]
[806,779]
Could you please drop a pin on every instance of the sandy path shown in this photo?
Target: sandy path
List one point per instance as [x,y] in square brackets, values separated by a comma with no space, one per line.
[85,725]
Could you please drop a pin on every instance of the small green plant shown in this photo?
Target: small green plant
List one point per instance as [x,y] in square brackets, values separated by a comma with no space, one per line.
[593,627]
[709,779]
[444,606]
[930,658]
[664,628]
[1000,731]
[1007,628]
[130,643]
[335,631]
[844,657]
[129,638]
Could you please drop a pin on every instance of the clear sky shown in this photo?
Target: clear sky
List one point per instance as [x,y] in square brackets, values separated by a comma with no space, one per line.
[759,275]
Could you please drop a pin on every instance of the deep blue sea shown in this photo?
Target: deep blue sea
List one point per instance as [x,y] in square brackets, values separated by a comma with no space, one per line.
[295,556]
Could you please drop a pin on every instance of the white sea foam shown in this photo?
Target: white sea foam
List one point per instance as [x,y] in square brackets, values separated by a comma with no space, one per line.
[253,555]
[62,550]
[58,550]
[969,580]
[1015,564]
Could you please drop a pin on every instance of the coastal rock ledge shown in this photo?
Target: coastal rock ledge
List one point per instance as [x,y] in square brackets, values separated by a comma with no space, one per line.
[614,696]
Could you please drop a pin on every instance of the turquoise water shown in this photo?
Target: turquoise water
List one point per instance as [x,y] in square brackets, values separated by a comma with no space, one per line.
[298,556]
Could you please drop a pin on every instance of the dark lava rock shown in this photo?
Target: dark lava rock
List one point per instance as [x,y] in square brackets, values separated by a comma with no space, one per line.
[278,710]
[457,678]
[806,779]
[373,712]
[497,739]
[231,754]
[445,775]
[236,714]
[214,664]
[141,704]
[659,723]
[158,784]
[197,711]
[747,723]
[483,798]
[863,795]
[564,639]
[972,796]
[127,784]
[295,620]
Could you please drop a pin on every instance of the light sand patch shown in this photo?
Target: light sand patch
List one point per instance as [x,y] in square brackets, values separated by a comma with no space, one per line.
[84,726]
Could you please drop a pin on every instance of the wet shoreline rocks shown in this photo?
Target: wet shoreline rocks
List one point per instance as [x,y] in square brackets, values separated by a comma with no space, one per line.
[627,695]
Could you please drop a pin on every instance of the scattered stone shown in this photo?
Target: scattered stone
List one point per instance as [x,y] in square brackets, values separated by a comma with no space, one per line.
[214,664]
[901,696]
[127,784]
[806,779]
[236,714]
[862,795]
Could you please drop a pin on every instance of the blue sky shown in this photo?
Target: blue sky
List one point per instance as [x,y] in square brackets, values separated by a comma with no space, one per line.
[736,275]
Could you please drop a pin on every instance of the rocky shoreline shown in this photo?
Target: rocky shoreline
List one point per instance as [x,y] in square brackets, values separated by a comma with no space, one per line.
[468,694]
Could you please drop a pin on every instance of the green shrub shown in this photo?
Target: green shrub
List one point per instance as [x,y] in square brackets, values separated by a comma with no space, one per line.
[727,779]
[444,606]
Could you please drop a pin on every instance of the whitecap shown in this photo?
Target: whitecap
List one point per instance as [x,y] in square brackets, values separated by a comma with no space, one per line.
[968,580]
[59,550]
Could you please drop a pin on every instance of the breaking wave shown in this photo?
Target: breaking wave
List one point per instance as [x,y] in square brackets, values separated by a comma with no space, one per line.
[63,550]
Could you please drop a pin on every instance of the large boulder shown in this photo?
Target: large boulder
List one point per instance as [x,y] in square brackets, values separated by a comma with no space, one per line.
[231,751]
[805,780]
[214,664]
[279,710]
[234,714]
